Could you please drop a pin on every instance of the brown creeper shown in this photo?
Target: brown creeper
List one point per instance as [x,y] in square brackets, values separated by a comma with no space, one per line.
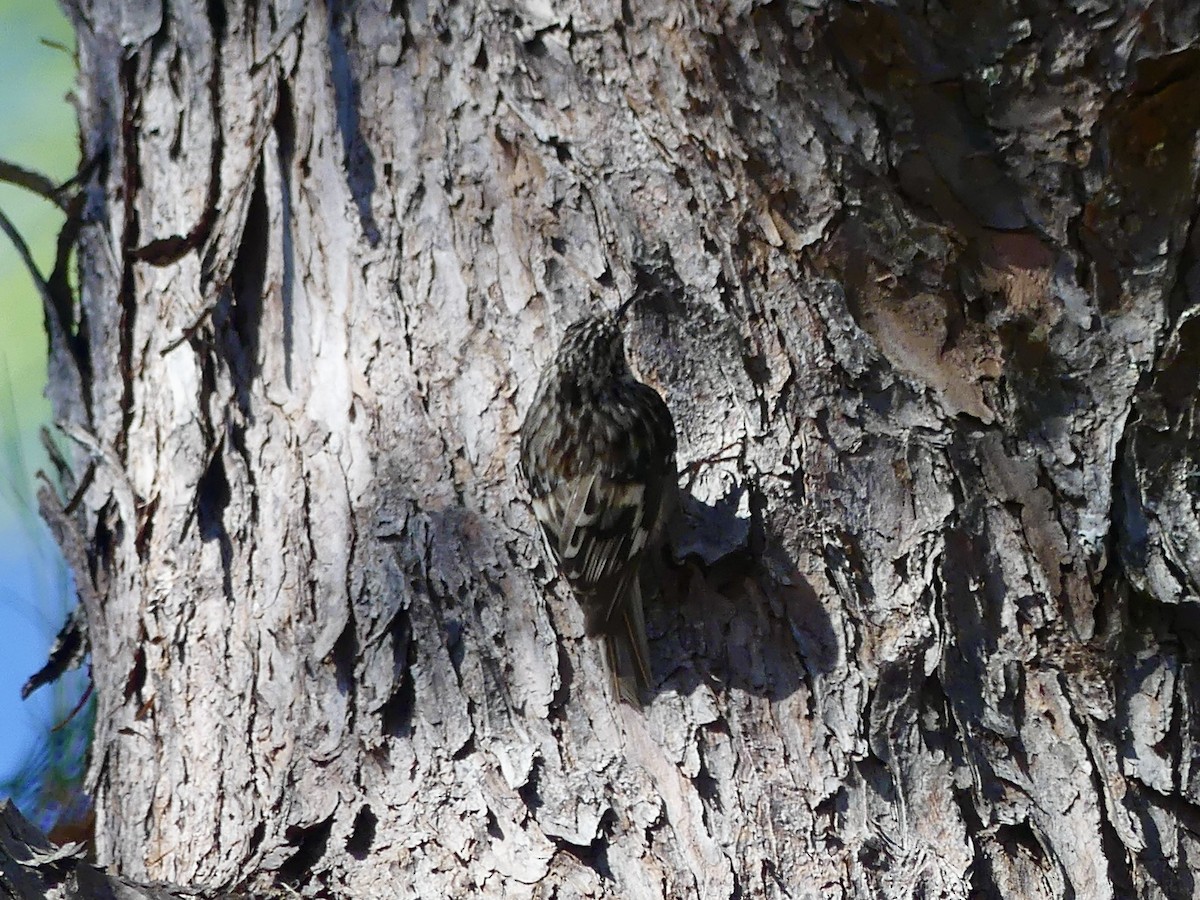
[598,457]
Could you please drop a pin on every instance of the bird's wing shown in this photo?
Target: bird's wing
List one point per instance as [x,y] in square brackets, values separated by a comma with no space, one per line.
[602,532]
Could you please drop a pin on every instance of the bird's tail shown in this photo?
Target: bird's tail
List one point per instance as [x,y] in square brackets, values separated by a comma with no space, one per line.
[626,649]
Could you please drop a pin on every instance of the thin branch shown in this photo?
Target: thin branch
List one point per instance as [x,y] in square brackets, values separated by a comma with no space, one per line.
[55,293]
[57,45]
[26,257]
[31,181]
[85,172]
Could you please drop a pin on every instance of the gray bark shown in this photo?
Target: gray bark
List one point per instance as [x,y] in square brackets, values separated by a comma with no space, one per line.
[921,296]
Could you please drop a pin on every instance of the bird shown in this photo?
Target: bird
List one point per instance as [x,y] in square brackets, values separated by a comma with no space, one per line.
[597,456]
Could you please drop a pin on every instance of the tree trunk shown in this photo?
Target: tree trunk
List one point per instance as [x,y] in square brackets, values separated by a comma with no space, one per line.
[919,286]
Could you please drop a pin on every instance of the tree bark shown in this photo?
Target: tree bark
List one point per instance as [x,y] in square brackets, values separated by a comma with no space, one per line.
[920,290]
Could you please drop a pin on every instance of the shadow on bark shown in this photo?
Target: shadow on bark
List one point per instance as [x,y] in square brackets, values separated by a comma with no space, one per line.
[737,613]
[360,161]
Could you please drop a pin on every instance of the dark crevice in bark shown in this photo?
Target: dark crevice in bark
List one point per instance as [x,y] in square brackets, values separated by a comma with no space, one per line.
[359,160]
[218,18]
[456,646]
[566,683]
[237,318]
[708,791]
[135,678]
[345,656]
[529,791]
[399,11]
[468,746]
[144,537]
[105,538]
[397,710]
[492,826]
[358,845]
[256,839]
[594,855]
[212,499]
[285,130]
[1021,839]
[127,299]
[310,842]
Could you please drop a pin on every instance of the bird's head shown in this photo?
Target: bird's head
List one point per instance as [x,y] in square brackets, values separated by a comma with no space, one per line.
[594,347]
